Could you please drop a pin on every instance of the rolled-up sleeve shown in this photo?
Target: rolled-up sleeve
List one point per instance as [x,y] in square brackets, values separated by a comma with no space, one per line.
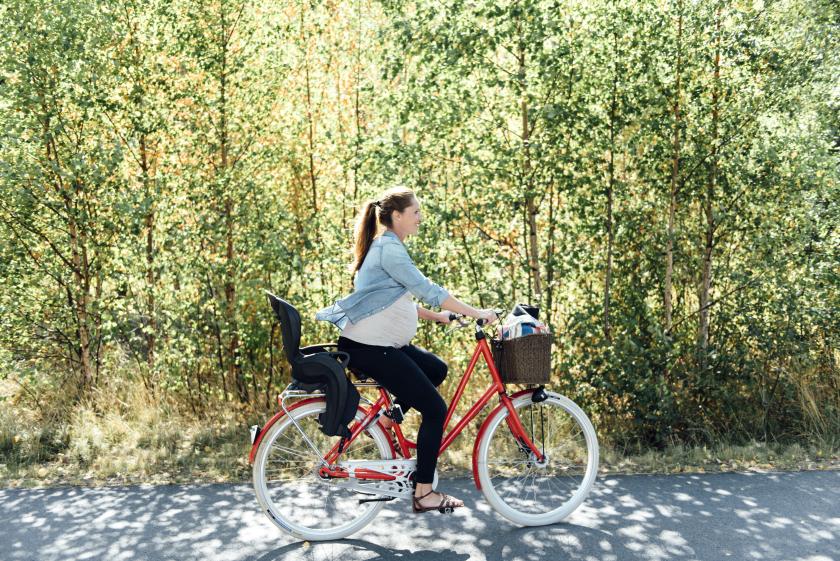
[400,267]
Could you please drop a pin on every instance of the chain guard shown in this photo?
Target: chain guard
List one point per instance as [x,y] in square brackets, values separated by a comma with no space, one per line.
[401,487]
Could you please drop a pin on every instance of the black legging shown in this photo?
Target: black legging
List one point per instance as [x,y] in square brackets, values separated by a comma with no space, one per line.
[412,375]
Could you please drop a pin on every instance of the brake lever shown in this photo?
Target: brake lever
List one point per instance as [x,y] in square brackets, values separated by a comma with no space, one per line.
[462,323]
[455,318]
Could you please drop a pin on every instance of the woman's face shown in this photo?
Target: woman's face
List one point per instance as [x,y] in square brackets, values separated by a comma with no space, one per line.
[407,222]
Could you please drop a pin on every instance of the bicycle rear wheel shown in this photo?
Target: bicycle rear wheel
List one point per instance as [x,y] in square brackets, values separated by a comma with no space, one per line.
[289,488]
[524,490]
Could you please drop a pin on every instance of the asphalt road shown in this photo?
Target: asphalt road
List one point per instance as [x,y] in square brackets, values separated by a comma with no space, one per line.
[738,517]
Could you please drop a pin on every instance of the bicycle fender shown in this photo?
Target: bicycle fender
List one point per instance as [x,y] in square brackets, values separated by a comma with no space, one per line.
[483,429]
[280,414]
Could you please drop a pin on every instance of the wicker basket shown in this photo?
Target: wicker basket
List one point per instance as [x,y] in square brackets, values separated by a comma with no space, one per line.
[523,360]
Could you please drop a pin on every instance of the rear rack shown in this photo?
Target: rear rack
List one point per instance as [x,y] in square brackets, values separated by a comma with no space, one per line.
[294,391]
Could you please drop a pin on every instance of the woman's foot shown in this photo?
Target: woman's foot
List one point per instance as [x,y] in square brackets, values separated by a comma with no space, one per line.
[434,499]
[424,498]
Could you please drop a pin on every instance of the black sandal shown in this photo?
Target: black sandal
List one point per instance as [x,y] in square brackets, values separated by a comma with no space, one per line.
[447,504]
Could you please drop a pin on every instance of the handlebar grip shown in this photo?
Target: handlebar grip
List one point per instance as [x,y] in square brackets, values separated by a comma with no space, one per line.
[452,317]
[481,321]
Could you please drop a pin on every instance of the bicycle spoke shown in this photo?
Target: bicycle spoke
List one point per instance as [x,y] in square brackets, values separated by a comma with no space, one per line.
[507,462]
[291,451]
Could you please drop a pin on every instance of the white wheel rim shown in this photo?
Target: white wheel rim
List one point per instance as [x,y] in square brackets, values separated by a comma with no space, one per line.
[564,509]
[299,530]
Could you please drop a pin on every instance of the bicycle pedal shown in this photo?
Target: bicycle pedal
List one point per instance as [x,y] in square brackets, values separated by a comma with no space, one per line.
[376,500]
[446,510]
[395,413]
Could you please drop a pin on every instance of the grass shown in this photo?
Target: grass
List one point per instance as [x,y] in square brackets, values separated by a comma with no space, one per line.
[122,454]
[144,439]
[754,456]
[147,439]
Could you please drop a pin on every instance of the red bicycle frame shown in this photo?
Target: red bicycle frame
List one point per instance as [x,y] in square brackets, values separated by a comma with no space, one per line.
[497,387]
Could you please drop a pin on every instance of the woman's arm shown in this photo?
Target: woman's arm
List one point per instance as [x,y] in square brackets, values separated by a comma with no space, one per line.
[397,263]
[423,313]
[454,305]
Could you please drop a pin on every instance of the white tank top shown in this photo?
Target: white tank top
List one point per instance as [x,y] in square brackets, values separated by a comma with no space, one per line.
[395,326]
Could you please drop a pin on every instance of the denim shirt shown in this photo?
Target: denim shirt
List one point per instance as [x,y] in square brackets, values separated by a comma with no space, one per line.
[385,275]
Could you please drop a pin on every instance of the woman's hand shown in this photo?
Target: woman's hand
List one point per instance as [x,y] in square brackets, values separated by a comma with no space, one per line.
[442,317]
[488,315]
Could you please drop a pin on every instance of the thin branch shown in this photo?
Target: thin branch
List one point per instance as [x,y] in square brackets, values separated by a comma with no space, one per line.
[39,234]
[716,300]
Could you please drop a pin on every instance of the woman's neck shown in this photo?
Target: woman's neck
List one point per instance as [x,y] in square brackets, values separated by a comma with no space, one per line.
[400,236]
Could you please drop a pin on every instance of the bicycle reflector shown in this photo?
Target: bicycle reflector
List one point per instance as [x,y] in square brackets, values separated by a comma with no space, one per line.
[255,432]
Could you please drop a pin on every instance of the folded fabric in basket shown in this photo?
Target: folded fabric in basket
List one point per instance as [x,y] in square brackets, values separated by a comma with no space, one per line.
[521,325]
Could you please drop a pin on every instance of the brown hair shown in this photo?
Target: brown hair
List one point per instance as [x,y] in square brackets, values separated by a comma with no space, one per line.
[396,198]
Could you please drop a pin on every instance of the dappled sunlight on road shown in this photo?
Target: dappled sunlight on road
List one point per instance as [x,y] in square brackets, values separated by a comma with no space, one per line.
[741,517]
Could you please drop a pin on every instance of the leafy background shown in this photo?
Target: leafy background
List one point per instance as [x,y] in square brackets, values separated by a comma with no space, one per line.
[660,177]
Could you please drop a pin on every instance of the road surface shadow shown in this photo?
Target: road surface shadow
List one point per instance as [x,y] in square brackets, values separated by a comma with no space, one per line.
[777,516]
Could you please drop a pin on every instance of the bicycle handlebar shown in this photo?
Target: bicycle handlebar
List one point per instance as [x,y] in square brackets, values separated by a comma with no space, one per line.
[480,321]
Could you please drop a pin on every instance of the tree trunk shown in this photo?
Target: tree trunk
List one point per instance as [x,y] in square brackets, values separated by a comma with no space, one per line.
[473,269]
[708,210]
[96,316]
[79,293]
[149,223]
[530,202]
[554,188]
[81,280]
[672,201]
[234,363]
[610,190]
[547,315]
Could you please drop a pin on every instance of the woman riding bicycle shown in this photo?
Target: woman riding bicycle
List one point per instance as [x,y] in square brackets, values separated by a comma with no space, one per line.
[379,319]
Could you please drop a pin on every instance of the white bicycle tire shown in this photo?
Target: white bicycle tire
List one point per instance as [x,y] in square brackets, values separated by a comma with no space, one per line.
[580,495]
[289,526]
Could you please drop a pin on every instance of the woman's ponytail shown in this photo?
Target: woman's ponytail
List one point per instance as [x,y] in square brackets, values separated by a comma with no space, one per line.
[364,233]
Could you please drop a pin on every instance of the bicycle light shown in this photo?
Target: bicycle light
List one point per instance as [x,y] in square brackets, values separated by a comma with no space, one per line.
[539,395]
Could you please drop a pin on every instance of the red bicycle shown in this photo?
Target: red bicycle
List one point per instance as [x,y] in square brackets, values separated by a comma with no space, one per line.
[535,457]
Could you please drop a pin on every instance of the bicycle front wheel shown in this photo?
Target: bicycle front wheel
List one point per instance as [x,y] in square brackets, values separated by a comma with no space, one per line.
[292,493]
[534,493]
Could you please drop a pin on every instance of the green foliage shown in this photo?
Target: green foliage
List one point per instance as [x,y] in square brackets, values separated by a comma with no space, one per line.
[163,163]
